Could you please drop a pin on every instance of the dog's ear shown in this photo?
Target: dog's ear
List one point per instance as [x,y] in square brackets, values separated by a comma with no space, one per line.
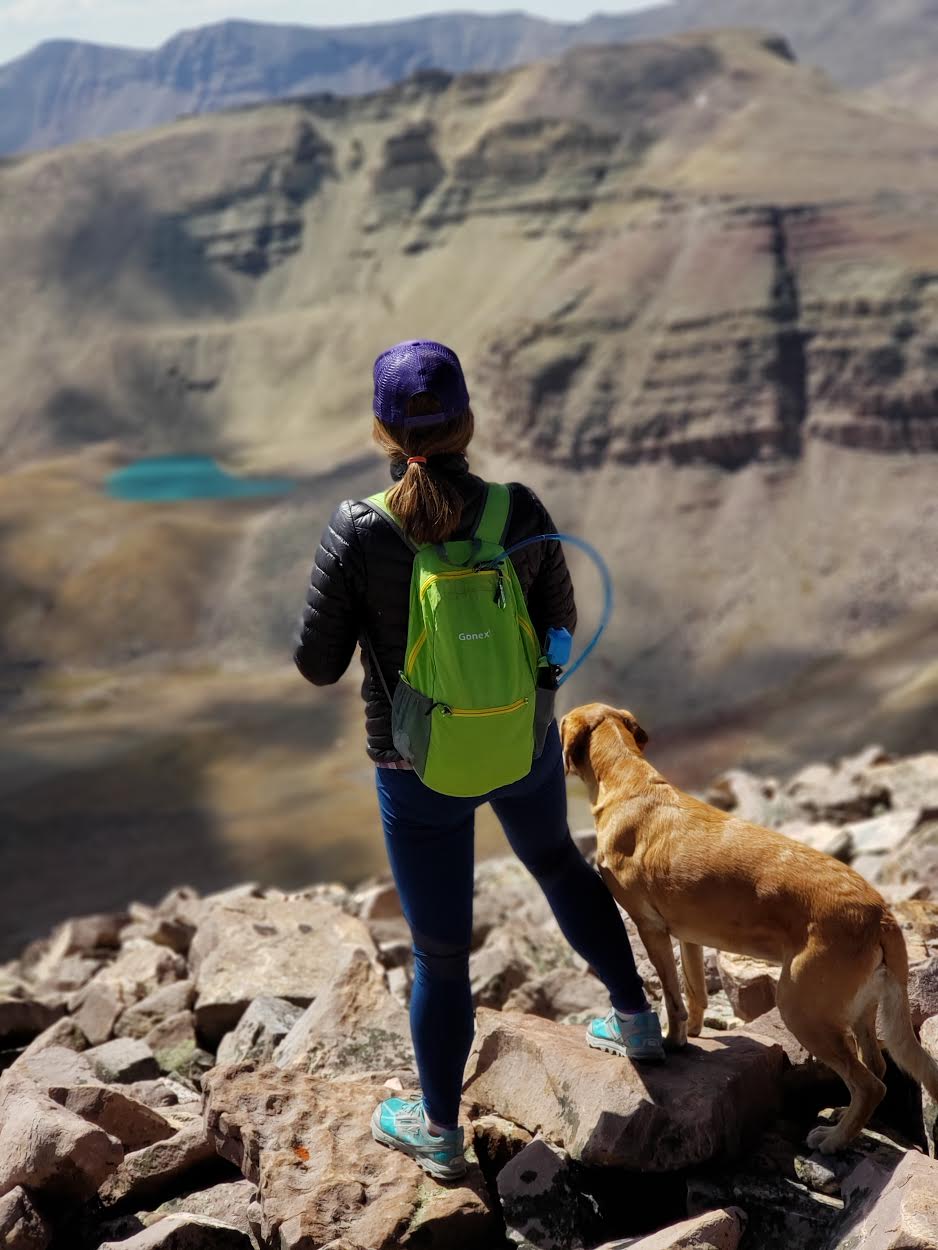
[575,730]
[634,728]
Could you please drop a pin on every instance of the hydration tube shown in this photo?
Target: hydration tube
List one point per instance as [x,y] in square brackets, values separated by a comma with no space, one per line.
[604,573]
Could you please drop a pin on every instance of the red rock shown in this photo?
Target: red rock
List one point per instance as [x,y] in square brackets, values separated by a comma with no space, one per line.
[146,1174]
[716,1230]
[750,984]
[605,1111]
[46,1148]
[250,947]
[134,1124]
[22,1227]
[890,1209]
[306,1143]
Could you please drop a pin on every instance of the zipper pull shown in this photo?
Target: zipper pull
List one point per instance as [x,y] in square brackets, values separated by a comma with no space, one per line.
[500,597]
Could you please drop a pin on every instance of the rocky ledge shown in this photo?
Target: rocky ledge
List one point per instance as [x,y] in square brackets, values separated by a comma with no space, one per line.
[201,1073]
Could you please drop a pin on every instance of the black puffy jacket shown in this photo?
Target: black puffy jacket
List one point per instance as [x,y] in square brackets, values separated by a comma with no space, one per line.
[360,584]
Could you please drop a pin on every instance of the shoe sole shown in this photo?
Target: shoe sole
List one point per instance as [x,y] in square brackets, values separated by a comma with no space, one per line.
[439,1171]
[656,1055]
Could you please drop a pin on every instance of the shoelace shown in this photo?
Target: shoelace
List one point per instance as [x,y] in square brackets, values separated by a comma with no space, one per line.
[411,1118]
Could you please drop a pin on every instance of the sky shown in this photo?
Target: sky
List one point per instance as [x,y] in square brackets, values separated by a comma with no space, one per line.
[147,23]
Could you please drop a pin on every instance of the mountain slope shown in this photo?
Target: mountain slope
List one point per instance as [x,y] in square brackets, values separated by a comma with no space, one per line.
[679,271]
[63,91]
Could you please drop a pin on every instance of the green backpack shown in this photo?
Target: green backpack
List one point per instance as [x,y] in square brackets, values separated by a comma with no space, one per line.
[468,712]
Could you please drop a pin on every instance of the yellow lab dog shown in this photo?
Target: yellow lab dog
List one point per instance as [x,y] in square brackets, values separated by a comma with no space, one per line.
[679,866]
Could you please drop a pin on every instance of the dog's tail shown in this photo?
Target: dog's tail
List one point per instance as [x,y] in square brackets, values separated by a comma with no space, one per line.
[895,1018]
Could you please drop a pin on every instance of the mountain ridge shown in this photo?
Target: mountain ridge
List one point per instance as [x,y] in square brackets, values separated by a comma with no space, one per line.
[65,91]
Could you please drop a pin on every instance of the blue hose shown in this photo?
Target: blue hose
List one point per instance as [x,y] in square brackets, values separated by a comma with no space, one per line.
[604,573]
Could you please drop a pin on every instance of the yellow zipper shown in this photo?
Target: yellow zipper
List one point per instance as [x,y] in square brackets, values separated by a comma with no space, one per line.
[526,626]
[415,651]
[487,711]
[439,577]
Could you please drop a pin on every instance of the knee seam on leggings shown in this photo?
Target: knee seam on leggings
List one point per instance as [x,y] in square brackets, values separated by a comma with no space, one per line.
[445,961]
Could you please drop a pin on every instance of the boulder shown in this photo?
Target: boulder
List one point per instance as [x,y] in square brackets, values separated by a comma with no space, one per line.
[140,969]
[176,1048]
[134,1124]
[44,1147]
[929,1039]
[176,932]
[505,892]
[499,967]
[171,1036]
[23,1019]
[558,995]
[377,902]
[757,799]
[909,782]
[146,1174]
[881,835]
[122,1060]
[497,1141]
[185,1232]
[228,1201]
[781,1214]
[22,1226]
[93,938]
[822,836]
[168,1000]
[69,974]
[918,920]
[750,984]
[355,1027]
[914,863]
[840,793]
[714,1230]
[512,955]
[541,1202]
[261,1030]
[56,1065]
[605,1111]
[890,1209]
[65,1033]
[248,947]
[163,1092]
[306,1143]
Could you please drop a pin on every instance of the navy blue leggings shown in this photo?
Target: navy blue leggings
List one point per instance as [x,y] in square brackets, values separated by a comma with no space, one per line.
[430,837]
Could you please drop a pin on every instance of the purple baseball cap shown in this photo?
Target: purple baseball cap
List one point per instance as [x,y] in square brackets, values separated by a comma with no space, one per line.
[415,367]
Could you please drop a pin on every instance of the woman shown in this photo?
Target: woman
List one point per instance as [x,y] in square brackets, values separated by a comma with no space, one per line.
[359,594]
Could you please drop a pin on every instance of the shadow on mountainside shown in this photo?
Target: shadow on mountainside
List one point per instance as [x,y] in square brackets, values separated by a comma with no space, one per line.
[94,813]
[87,841]
[119,234]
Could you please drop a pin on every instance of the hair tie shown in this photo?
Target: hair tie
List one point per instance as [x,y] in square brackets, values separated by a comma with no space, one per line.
[417,460]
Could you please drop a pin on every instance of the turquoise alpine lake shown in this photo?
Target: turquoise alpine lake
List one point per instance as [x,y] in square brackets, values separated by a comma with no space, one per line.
[171,479]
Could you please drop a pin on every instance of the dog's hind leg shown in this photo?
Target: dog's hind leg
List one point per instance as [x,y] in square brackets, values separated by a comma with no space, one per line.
[815,1004]
[657,942]
[695,985]
[864,1028]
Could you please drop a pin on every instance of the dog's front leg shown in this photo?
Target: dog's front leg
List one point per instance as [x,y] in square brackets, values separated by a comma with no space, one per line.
[657,941]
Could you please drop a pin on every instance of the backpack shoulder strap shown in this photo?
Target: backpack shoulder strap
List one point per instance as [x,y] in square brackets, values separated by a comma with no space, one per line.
[378,503]
[496,511]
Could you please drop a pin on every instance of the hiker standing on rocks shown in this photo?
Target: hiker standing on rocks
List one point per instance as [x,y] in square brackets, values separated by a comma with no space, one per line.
[436,757]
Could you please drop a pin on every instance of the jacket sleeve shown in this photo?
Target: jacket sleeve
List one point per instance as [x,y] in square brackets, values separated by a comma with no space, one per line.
[330,624]
[551,601]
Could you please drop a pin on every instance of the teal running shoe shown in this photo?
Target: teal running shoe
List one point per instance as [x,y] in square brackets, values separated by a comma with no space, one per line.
[402,1125]
[635,1037]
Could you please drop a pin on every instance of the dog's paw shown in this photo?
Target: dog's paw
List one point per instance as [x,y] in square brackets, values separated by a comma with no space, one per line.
[695,1026]
[828,1140]
[676,1039]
